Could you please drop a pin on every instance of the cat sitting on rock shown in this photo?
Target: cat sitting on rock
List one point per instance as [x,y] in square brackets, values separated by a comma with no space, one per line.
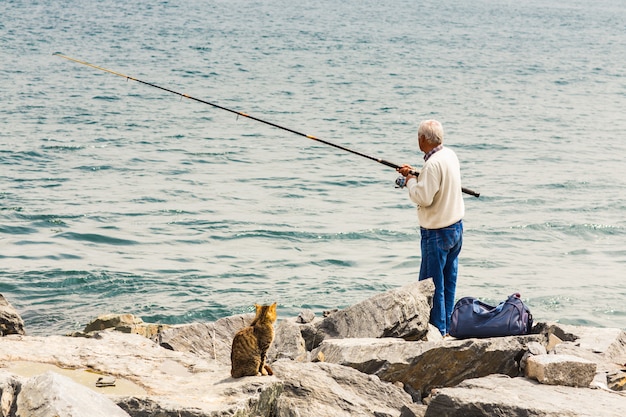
[250,344]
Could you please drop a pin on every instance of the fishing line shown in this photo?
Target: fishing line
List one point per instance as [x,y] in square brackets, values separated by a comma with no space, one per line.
[238,113]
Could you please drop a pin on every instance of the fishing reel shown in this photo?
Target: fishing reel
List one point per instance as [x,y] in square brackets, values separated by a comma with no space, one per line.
[400,182]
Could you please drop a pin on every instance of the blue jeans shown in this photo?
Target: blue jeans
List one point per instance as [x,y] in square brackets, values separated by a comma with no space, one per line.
[440,252]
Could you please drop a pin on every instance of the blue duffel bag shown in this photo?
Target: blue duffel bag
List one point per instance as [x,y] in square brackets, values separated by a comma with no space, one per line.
[473,318]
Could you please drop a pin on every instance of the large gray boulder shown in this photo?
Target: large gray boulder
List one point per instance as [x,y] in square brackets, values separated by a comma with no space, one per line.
[214,340]
[427,365]
[208,340]
[148,376]
[10,320]
[180,383]
[402,312]
[51,395]
[498,396]
[329,390]
[254,397]
[288,342]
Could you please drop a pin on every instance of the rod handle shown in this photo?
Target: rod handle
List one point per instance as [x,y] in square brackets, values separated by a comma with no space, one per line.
[470,192]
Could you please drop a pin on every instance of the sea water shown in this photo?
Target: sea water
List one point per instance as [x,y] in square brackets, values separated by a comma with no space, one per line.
[117,197]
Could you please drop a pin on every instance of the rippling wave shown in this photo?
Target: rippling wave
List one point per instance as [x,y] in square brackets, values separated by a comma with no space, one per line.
[118,197]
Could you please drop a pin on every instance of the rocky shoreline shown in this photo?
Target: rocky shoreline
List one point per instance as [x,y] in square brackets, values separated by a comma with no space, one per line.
[379,357]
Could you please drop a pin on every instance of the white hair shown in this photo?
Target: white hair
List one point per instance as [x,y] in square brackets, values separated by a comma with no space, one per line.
[432,131]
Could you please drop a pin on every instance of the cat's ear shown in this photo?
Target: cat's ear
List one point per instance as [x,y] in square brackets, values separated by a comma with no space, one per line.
[273,307]
[257,307]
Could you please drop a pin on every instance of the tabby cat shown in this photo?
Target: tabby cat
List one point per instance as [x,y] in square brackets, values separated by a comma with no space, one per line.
[250,344]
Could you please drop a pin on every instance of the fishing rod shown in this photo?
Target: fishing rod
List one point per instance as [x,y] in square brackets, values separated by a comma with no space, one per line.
[238,113]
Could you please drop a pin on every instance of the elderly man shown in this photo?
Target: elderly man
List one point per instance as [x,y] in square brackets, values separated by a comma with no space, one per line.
[440,211]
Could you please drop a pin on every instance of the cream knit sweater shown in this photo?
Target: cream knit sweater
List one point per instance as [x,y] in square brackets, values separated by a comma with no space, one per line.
[437,191]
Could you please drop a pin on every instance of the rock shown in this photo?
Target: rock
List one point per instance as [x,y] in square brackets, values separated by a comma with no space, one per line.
[51,394]
[561,370]
[414,410]
[112,321]
[433,335]
[173,382]
[312,338]
[605,347]
[207,340]
[616,380]
[187,372]
[214,340]
[249,397]
[373,355]
[180,383]
[600,381]
[10,320]
[553,341]
[609,343]
[534,348]
[402,312]
[427,365]
[288,343]
[606,341]
[497,395]
[329,390]
[305,316]
[10,386]
[125,323]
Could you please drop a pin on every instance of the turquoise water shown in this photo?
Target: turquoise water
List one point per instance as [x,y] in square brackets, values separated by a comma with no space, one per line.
[118,197]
